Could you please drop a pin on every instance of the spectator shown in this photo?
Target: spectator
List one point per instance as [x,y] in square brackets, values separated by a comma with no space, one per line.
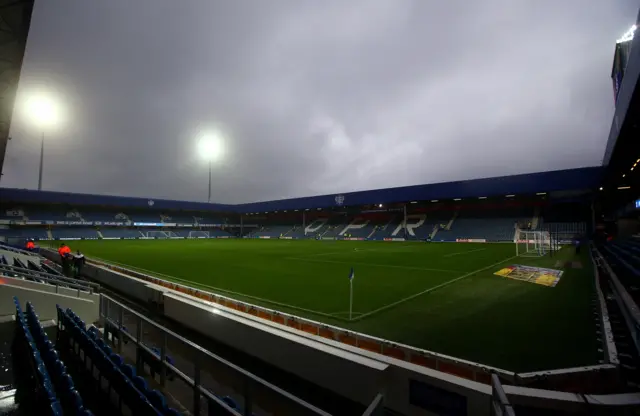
[78,262]
[64,250]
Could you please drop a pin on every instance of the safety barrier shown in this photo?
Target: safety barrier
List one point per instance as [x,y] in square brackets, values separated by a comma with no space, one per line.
[440,362]
[198,368]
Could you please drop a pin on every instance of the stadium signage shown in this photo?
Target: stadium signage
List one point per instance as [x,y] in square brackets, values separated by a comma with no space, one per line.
[470,240]
[339,200]
[394,239]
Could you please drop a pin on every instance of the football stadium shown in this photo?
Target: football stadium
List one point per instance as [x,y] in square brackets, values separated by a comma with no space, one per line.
[509,295]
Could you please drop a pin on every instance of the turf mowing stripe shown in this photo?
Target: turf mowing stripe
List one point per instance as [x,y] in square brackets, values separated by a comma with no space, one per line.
[431,289]
[362,250]
[195,285]
[463,252]
[373,265]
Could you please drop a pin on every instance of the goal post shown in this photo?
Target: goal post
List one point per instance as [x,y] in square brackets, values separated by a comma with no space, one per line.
[534,243]
[157,234]
[199,234]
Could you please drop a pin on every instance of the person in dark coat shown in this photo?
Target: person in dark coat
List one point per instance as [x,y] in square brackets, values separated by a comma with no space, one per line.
[78,261]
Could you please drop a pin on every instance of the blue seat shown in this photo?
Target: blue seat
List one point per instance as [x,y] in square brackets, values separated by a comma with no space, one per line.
[140,383]
[230,402]
[110,366]
[129,371]
[40,396]
[157,399]
[117,360]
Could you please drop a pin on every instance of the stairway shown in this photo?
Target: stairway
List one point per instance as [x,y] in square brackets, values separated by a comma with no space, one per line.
[536,218]
[450,223]
[100,234]
[434,232]
[49,235]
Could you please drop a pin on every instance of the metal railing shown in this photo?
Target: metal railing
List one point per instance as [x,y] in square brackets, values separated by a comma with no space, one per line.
[200,371]
[57,281]
[500,405]
[7,247]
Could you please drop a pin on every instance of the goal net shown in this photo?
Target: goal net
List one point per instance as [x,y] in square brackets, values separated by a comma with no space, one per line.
[199,234]
[533,243]
[158,234]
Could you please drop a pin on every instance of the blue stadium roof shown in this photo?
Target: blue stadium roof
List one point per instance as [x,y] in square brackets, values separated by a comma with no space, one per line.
[30,196]
[625,97]
[561,180]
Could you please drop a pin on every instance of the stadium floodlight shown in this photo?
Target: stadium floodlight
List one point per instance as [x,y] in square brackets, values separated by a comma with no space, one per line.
[211,149]
[45,112]
[628,35]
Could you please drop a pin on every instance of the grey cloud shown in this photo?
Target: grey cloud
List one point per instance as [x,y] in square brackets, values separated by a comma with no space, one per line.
[315,97]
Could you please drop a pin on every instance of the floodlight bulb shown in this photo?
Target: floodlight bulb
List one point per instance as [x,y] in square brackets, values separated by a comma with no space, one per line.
[43,110]
[628,36]
[210,148]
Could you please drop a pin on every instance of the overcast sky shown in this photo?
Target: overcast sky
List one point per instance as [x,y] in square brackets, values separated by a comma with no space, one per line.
[313,96]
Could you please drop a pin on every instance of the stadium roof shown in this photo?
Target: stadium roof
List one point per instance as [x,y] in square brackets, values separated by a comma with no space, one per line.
[627,105]
[15,19]
[561,180]
[622,155]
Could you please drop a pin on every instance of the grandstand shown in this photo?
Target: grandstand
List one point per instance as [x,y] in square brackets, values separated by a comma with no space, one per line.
[412,300]
[261,280]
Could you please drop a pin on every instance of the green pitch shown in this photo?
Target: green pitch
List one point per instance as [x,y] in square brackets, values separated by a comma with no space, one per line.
[441,297]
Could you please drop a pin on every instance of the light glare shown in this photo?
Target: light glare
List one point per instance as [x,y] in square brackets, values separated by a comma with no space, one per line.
[628,36]
[210,148]
[43,110]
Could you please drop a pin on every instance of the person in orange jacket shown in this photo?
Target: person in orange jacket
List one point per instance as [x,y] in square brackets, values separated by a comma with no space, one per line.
[30,245]
[64,250]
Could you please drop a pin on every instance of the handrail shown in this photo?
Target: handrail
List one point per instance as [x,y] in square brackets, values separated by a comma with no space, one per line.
[608,344]
[52,281]
[7,247]
[630,311]
[45,275]
[212,356]
[376,406]
[500,402]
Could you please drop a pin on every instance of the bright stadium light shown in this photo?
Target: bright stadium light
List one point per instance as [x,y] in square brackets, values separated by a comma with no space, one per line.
[45,112]
[628,35]
[211,149]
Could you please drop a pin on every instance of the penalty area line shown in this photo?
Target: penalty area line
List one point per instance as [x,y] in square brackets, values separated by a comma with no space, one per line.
[391,266]
[463,252]
[431,289]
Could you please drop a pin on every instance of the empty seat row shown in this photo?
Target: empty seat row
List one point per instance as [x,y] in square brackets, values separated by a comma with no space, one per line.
[624,260]
[35,392]
[70,400]
[132,390]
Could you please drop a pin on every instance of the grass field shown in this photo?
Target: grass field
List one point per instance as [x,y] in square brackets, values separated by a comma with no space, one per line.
[442,297]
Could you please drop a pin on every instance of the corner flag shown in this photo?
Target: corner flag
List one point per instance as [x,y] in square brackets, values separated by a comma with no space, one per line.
[352,274]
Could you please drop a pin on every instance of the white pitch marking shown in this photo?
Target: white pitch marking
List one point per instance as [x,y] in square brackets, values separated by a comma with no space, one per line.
[463,252]
[431,289]
[392,266]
